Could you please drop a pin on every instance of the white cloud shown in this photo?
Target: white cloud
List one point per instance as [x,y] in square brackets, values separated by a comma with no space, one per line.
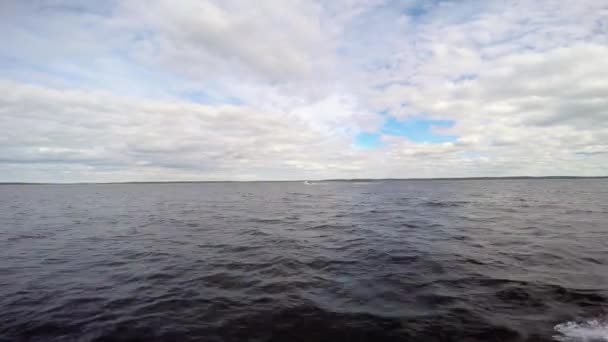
[47,126]
[110,91]
[275,41]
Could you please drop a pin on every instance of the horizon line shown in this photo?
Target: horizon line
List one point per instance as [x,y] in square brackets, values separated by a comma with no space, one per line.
[310,180]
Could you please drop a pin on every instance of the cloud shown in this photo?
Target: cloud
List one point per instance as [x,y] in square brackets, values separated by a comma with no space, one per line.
[159,90]
[275,41]
[530,96]
[46,126]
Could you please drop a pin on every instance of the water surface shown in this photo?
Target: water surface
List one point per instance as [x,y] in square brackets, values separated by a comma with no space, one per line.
[460,260]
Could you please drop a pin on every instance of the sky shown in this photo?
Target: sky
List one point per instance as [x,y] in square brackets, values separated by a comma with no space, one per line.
[164,90]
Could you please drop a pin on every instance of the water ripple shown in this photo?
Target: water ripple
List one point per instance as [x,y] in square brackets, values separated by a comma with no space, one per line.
[490,260]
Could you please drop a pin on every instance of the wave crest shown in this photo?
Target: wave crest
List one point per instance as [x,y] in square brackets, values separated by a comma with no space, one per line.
[594,330]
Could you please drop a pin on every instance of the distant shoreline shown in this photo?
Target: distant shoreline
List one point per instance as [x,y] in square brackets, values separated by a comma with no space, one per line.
[354,180]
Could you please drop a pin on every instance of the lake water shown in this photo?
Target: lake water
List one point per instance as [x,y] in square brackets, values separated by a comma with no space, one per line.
[454,260]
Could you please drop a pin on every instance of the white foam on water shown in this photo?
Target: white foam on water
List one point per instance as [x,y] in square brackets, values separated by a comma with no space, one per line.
[314,183]
[594,330]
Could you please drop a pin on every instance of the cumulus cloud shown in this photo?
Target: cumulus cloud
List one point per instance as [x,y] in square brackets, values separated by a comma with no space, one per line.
[46,126]
[273,40]
[548,103]
[196,90]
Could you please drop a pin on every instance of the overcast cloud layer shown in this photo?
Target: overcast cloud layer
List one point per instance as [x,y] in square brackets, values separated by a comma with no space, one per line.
[237,90]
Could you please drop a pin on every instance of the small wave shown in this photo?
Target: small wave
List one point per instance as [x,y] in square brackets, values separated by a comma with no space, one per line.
[26,237]
[579,296]
[444,203]
[594,330]
[298,194]
[266,220]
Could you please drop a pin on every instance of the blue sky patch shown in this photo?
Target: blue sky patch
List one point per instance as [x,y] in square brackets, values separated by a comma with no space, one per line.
[416,11]
[204,98]
[418,129]
[368,140]
[465,77]
[414,129]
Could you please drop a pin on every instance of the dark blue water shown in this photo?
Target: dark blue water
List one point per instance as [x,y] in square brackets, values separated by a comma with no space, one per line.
[474,260]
